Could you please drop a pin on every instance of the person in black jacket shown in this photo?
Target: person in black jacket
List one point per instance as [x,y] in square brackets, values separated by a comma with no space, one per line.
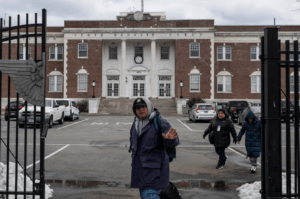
[221,125]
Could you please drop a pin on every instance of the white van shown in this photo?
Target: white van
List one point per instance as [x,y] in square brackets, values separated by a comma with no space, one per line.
[72,111]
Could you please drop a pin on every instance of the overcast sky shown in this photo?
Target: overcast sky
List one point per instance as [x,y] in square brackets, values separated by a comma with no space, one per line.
[230,12]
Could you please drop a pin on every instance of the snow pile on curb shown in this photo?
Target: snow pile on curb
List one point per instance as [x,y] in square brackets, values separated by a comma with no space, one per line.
[48,191]
[251,191]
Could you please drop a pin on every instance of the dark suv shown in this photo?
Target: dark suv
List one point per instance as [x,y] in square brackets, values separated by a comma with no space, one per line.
[13,109]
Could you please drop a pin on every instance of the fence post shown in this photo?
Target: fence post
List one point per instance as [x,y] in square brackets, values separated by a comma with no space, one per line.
[271,121]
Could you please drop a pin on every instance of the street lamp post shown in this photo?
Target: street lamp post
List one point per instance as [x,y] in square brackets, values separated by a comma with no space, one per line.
[181,85]
[93,84]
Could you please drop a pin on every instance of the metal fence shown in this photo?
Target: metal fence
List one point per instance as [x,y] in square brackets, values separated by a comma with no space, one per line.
[28,78]
[276,62]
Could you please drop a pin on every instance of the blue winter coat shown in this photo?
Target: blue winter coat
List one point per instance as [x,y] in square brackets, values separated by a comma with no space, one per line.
[150,162]
[253,135]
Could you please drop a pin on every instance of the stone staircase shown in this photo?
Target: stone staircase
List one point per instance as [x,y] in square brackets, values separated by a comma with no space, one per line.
[123,106]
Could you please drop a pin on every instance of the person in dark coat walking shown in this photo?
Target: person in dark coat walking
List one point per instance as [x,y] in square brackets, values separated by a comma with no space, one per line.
[252,128]
[221,125]
[150,161]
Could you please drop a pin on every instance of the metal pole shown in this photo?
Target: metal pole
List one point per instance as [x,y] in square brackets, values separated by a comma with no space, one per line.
[271,122]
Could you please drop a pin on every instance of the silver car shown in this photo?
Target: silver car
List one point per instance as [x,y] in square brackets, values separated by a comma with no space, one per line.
[202,111]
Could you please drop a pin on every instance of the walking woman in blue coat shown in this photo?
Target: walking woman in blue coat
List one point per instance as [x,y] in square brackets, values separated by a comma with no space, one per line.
[150,161]
[252,128]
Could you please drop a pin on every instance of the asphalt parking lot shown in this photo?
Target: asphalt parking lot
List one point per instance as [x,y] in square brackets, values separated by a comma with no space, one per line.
[88,158]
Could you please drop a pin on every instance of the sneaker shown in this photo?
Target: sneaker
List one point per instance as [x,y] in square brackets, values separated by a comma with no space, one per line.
[220,166]
[253,169]
[225,159]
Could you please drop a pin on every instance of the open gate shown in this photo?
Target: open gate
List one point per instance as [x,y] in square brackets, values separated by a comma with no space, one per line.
[22,77]
[277,64]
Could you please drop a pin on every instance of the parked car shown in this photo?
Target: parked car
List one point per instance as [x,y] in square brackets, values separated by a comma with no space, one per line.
[13,109]
[234,107]
[202,111]
[53,112]
[242,115]
[71,111]
[283,111]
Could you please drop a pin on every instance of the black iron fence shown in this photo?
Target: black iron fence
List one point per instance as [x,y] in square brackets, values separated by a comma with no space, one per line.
[27,73]
[275,63]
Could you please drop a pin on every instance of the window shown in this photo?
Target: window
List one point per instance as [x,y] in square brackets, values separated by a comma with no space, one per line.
[255,84]
[224,53]
[224,83]
[194,82]
[113,52]
[82,82]
[22,52]
[55,83]
[194,50]
[292,83]
[82,50]
[292,54]
[138,51]
[56,53]
[165,51]
[255,52]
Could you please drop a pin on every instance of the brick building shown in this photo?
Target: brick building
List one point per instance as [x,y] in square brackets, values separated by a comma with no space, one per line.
[144,54]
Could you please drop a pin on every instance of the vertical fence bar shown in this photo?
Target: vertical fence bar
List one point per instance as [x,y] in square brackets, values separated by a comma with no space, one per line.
[271,121]
[26,113]
[8,113]
[34,130]
[17,118]
[288,134]
[1,22]
[42,140]
[296,103]
[263,188]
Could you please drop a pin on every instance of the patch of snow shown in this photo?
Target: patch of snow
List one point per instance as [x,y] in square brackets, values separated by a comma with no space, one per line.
[48,191]
[251,191]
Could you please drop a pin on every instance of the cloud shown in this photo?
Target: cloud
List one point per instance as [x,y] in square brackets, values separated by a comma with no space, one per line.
[230,12]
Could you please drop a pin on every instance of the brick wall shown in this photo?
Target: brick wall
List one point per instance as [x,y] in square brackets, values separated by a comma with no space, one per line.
[93,65]
[184,64]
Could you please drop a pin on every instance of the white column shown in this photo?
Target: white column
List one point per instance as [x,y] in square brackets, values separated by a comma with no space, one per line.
[153,70]
[123,71]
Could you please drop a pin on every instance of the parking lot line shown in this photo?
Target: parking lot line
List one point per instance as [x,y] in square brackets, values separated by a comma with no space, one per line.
[73,124]
[48,156]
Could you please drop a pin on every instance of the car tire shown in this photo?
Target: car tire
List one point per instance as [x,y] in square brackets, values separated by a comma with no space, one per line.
[21,125]
[72,117]
[61,121]
[50,122]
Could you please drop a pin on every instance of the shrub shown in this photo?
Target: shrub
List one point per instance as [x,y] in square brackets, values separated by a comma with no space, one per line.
[194,100]
[83,105]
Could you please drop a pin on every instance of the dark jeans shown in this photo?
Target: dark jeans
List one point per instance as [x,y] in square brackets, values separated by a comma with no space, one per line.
[221,152]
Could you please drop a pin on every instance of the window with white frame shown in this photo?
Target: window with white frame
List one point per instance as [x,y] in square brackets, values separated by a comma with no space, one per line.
[82,50]
[55,83]
[224,82]
[56,52]
[22,52]
[164,53]
[224,52]
[292,83]
[255,52]
[194,49]
[255,84]
[292,54]
[113,52]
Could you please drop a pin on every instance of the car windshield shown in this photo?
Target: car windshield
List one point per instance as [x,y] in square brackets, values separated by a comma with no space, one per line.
[256,109]
[205,107]
[63,102]
[239,104]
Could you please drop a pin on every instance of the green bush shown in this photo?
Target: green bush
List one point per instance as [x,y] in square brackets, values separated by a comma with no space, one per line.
[83,105]
[194,100]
